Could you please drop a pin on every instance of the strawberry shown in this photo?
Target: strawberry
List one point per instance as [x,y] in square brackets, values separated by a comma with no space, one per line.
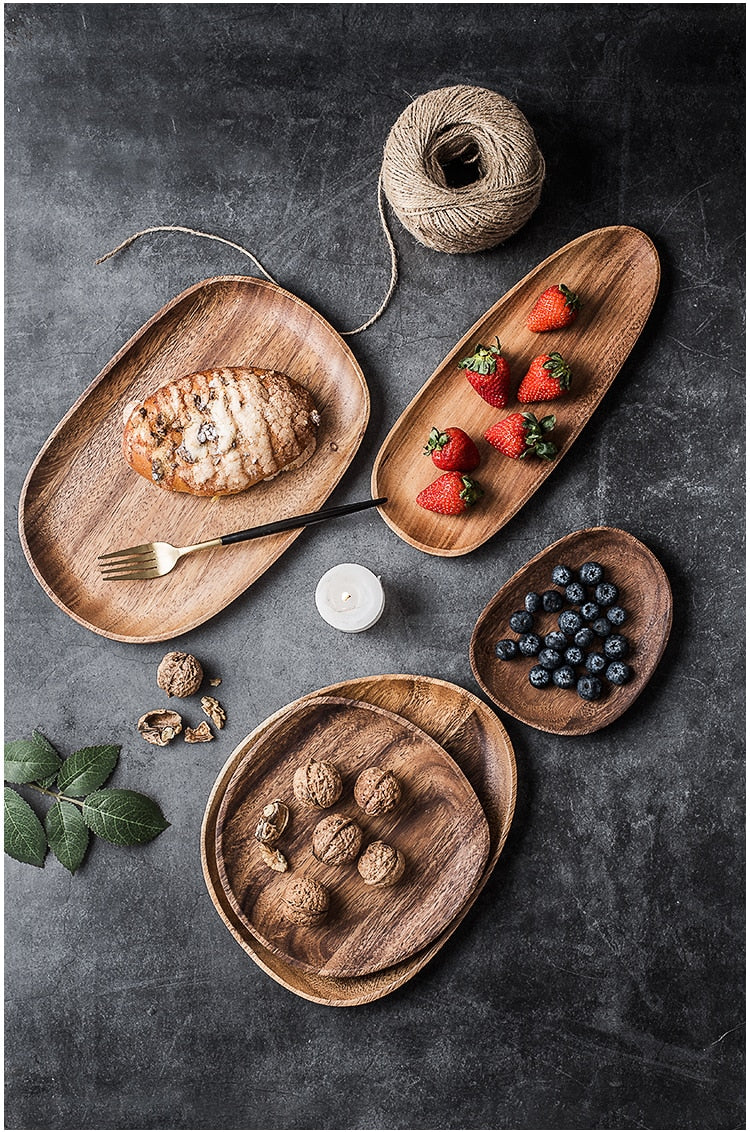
[488,373]
[548,378]
[555,308]
[449,494]
[521,435]
[452,450]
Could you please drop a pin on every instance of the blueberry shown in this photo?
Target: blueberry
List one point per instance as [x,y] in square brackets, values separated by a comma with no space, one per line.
[575,593]
[564,676]
[556,640]
[617,615]
[570,622]
[574,655]
[589,688]
[602,627]
[539,677]
[550,658]
[617,672]
[561,575]
[529,644]
[589,611]
[532,603]
[616,646]
[595,662]
[591,573]
[584,637]
[506,649]
[605,593]
[521,622]
[551,601]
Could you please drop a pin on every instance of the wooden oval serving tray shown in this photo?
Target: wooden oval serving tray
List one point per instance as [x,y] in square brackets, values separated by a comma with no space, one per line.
[80,498]
[439,826]
[474,737]
[615,271]
[644,592]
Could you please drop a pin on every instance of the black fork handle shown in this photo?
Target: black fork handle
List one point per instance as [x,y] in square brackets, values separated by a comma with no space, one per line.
[297,521]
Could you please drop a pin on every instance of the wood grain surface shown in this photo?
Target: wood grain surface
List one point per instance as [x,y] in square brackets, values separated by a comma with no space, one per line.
[439,826]
[645,593]
[80,499]
[615,271]
[473,736]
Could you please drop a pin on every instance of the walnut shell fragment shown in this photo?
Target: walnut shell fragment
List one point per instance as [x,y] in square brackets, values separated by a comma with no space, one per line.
[336,840]
[214,711]
[377,791]
[273,821]
[317,785]
[179,674]
[200,734]
[160,727]
[381,864]
[306,901]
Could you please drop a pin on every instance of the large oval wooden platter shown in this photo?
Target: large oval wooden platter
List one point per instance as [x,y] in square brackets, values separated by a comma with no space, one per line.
[645,593]
[80,499]
[616,273]
[439,826]
[474,737]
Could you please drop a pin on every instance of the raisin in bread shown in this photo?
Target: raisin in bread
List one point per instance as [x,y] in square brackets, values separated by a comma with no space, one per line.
[220,431]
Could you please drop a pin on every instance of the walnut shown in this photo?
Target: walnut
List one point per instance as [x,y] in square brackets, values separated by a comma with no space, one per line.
[273,822]
[214,711]
[336,840]
[200,734]
[273,858]
[377,791]
[179,674]
[381,864]
[317,785]
[214,681]
[306,901]
[160,727]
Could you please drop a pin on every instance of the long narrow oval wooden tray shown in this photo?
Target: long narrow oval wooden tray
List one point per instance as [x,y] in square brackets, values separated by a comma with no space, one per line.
[645,593]
[616,273]
[439,826]
[80,499]
[473,736]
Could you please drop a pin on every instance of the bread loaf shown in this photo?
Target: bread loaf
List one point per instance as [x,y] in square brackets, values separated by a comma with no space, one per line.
[220,431]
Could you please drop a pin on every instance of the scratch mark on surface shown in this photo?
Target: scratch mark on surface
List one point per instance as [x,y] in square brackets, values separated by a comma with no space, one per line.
[725,1034]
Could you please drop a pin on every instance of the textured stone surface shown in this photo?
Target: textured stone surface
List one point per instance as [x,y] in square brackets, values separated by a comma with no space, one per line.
[597,983]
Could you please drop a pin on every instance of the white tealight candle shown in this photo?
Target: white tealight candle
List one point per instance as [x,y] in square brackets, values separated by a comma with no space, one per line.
[350,597]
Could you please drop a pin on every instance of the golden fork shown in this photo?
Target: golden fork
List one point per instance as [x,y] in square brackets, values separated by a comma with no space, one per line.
[154,559]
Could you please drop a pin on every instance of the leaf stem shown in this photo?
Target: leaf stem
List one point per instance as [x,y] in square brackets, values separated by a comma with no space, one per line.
[52,794]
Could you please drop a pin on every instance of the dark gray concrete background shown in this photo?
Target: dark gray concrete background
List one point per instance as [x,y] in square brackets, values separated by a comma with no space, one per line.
[598,981]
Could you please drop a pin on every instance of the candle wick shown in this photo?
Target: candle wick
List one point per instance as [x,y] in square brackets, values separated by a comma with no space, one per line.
[346,596]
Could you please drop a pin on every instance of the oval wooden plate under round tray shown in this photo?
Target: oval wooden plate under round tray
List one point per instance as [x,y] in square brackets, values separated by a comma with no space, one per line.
[615,271]
[439,826]
[80,498]
[473,736]
[645,593]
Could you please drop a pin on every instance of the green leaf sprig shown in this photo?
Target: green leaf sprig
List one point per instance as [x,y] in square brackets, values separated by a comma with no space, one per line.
[81,807]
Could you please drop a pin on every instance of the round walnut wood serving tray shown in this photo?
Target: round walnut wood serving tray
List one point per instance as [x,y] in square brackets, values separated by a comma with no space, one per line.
[474,737]
[615,271]
[645,593]
[439,826]
[80,498]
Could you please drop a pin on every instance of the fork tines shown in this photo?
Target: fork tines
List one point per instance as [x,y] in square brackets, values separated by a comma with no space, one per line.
[132,564]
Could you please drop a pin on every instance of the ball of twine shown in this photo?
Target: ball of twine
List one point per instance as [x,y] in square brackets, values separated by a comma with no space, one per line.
[462,169]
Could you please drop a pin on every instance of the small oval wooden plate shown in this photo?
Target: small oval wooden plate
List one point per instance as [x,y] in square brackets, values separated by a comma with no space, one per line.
[615,271]
[439,826]
[80,499]
[645,593]
[474,737]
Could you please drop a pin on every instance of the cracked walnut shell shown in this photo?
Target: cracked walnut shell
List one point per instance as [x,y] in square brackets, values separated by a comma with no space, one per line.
[336,840]
[377,791]
[273,821]
[200,734]
[381,864]
[160,727]
[317,784]
[306,901]
[179,674]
